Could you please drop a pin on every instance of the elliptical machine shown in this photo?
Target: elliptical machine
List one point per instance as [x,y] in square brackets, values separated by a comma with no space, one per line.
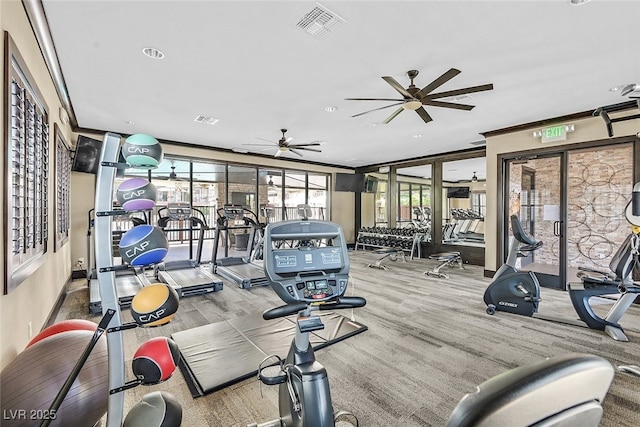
[309,277]
[518,292]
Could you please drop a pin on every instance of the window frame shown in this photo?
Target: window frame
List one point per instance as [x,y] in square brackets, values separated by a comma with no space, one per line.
[27,136]
[62,163]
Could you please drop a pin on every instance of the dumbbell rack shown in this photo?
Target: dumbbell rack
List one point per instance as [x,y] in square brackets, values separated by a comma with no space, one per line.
[106,276]
[382,237]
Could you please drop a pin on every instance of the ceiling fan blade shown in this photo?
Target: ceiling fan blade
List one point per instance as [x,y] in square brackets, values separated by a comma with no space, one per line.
[266,140]
[379,108]
[297,147]
[448,104]
[278,153]
[295,152]
[459,91]
[373,99]
[392,116]
[445,77]
[310,144]
[288,139]
[423,113]
[397,86]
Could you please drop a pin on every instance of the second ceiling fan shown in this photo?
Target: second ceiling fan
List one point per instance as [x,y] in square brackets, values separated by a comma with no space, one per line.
[284,145]
[414,98]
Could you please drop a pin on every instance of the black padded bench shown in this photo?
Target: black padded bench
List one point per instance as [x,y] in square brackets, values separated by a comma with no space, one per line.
[446,259]
[391,253]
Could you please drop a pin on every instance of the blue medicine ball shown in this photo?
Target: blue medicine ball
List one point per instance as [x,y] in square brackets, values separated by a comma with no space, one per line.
[143,245]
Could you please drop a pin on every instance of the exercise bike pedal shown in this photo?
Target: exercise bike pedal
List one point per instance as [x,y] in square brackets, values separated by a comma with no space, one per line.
[344,418]
[272,375]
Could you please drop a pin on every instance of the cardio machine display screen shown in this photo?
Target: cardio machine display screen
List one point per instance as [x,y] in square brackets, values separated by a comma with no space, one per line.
[291,261]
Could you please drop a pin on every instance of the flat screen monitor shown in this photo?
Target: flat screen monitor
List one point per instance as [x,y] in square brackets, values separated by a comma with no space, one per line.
[349,182]
[457,192]
[87,155]
[370,184]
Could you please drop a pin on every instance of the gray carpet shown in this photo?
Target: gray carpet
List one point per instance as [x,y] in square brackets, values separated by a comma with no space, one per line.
[429,342]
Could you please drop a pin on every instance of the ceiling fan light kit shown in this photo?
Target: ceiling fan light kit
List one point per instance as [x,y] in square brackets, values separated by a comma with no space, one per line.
[414,98]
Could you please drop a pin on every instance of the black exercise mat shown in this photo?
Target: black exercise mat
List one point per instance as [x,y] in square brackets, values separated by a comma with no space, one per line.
[217,355]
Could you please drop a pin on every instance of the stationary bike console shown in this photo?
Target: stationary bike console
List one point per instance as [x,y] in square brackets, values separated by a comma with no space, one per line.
[306,261]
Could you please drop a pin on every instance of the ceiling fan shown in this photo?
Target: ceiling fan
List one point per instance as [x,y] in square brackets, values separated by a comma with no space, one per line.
[173,176]
[284,145]
[413,98]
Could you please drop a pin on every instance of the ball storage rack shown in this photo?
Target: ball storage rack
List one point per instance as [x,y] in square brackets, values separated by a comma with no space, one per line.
[106,275]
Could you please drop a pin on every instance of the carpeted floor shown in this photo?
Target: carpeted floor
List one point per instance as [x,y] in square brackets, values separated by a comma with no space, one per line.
[429,343]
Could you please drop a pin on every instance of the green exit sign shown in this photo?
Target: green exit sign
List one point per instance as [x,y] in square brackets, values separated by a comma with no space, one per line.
[556,133]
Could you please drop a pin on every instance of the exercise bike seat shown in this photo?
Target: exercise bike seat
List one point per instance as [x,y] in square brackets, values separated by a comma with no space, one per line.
[565,390]
[522,236]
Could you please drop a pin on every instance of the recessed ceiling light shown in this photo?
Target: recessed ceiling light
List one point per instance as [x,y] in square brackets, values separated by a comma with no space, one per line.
[372,125]
[417,135]
[578,2]
[330,109]
[129,122]
[153,53]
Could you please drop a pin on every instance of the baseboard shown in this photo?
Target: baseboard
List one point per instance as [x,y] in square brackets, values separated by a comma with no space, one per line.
[58,304]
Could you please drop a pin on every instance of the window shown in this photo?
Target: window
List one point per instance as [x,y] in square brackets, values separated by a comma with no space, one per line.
[63,176]
[25,203]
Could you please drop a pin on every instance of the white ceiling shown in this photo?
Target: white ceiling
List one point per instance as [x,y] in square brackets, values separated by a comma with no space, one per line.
[250,66]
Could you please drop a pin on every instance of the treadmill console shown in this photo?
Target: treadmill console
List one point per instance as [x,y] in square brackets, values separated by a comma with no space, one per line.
[233,211]
[177,211]
[306,260]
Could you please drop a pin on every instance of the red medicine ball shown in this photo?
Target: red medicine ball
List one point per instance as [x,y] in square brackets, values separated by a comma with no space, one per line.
[155,360]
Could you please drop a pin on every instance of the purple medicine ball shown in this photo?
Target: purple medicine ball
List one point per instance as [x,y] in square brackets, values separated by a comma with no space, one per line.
[136,194]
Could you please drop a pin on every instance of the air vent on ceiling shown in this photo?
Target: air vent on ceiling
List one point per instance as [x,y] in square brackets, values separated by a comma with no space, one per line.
[481,142]
[320,21]
[206,120]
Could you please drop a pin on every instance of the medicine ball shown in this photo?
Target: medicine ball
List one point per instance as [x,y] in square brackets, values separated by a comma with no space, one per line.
[142,151]
[143,245]
[154,305]
[156,409]
[63,326]
[155,360]
[136,194]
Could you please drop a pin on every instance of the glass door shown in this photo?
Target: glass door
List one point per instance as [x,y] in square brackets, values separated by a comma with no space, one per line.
[574,202]
[534,194]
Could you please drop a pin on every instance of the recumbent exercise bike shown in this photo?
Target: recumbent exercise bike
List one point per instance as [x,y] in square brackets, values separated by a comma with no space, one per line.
[518,292]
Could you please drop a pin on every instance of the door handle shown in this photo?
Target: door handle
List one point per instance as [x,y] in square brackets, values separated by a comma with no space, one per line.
[557,228]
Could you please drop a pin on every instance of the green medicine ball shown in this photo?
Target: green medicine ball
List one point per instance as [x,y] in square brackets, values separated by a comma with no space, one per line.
[142,151]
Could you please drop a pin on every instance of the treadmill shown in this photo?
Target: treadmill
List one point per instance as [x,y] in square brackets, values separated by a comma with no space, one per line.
[128,280]
[188,277]
[246,271]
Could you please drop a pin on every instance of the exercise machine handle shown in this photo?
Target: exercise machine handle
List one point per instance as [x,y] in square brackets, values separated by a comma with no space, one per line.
[344,302]
[289,309]
[284,310]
